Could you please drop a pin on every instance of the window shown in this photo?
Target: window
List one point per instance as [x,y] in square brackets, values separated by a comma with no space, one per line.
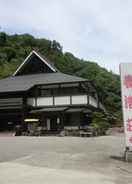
[45,92]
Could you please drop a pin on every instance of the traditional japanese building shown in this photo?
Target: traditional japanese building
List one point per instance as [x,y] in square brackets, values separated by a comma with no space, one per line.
[37,90]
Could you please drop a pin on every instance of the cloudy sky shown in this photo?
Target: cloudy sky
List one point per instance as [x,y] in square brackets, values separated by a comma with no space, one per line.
[97,30]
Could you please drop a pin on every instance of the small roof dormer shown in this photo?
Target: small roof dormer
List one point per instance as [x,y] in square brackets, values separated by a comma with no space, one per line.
[34,64]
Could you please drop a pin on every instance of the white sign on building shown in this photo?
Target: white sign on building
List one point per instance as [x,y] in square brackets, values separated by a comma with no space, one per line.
[126,89]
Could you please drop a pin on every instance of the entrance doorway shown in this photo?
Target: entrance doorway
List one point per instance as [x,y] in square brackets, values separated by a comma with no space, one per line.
[53,123]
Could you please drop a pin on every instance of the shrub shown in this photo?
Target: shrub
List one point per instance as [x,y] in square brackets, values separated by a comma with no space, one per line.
[100,122]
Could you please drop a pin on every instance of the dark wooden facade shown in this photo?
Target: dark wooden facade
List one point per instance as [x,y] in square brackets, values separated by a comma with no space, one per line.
[38,90]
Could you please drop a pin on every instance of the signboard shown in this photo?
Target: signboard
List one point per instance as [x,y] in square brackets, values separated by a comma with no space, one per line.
[126,89]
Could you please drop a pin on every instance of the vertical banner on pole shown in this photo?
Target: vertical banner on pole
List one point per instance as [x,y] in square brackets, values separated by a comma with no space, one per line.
[126,90]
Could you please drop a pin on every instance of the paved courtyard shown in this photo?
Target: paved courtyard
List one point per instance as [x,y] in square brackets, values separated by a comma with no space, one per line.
[63,160]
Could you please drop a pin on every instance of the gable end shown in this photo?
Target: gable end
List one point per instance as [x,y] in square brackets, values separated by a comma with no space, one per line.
[34,64]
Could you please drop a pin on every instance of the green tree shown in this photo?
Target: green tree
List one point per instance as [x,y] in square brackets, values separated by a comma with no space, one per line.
[3,38]
[56,46]
[100,122]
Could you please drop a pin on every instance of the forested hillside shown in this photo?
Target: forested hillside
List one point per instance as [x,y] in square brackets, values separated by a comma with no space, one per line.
[14,49]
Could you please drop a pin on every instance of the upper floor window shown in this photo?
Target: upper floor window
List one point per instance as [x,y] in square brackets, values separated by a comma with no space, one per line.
[45,92]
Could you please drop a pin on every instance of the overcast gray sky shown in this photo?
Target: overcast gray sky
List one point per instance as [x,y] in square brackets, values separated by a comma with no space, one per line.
[97,30]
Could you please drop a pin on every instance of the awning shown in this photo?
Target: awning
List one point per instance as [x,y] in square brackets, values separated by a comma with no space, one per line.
[54,109]
[81,109]
[75,110]
[87,111]
[61,109]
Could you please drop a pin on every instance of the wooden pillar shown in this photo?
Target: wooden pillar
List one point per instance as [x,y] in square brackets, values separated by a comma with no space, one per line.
[87,98]
[70,100]
[80,120]
[62,117]
[24,113]
[36,96]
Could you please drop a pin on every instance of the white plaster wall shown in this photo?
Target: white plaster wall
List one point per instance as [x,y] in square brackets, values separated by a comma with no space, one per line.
[63,100]
[80,99]
[44,101]
[92,101]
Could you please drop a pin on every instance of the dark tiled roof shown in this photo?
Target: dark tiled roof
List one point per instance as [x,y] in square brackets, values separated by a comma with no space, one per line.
[25,82]
[52,109]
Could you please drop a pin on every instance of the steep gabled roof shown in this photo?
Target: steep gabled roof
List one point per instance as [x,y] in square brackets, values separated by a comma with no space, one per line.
[41,59]
[25,82]
[20,81]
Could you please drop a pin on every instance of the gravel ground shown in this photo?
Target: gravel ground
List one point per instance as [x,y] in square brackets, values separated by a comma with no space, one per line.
[63,160]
